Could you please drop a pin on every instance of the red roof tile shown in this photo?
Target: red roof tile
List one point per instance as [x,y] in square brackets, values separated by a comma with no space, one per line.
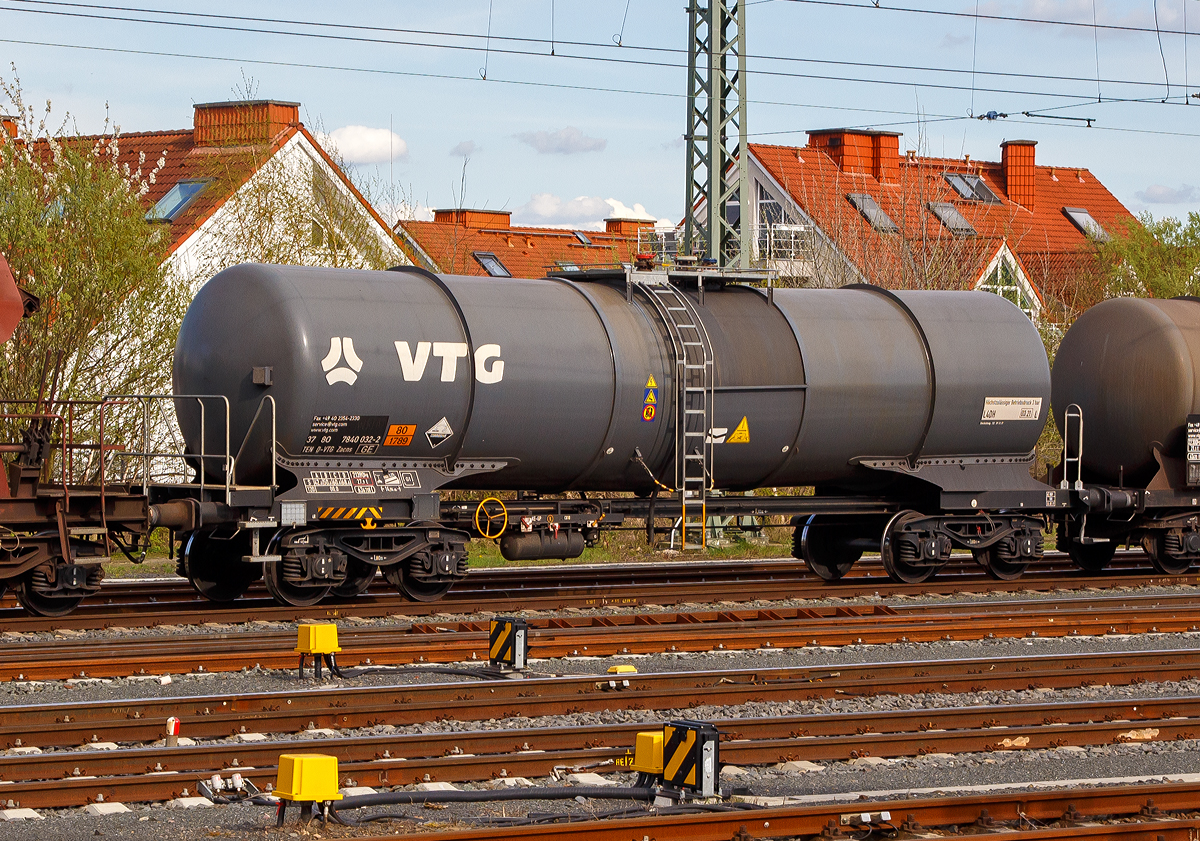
[449,246]
[1052,250]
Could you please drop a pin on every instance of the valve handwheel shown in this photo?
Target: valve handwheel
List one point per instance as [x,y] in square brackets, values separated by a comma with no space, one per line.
[492,511]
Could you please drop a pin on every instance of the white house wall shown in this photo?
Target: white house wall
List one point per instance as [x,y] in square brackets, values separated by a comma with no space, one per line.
[298,155]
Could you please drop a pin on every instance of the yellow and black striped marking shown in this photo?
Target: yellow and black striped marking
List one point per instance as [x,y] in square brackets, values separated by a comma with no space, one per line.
[679,756]
[691,756]
[508,642]
[349,513]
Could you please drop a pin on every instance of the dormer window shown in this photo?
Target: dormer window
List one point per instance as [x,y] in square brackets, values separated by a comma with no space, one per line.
[971,187]
[873,213]
[1087,226]
[491,264]
[178,199]
[954,221]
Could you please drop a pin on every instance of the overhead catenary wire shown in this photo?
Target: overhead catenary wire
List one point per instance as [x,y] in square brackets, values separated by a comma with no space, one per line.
[523,82]
[485,44]
[1162,54]
[619,90]
[865,6]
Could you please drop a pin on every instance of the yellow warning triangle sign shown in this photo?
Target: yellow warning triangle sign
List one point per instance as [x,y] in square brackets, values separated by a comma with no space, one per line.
[650,383]
[650,398]
[741,435]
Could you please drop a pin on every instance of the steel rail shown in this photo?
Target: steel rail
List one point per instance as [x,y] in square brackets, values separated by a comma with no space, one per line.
[1140,809]
[608,635]
[215,716]
[127,604]
[749,741]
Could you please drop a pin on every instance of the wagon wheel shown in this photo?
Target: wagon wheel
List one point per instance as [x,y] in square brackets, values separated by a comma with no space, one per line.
[997,567]
[824,549]
[291,592]
[410,588]
[897,568]
[215,566]
[359,575]
[42,604]
[1156,547]
[1093,557]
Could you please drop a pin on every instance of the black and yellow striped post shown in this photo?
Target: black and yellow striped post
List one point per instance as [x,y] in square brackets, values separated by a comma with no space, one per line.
[508,643]
[690,756]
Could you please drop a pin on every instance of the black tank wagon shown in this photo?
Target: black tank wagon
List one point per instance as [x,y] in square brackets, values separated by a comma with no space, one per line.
[913,414]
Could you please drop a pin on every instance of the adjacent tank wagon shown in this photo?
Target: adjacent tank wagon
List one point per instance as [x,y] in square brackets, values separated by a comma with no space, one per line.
[1127,400]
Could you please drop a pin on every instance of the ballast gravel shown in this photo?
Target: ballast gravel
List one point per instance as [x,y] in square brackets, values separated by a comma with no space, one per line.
[156,822]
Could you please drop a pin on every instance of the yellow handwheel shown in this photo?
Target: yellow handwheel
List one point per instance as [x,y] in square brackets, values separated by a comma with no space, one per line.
[491,516]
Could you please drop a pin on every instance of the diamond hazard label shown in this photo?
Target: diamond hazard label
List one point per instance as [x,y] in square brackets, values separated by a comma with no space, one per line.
[741,435]
[438,433]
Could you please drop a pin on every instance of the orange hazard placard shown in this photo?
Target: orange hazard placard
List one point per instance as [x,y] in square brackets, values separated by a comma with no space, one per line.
[400,435]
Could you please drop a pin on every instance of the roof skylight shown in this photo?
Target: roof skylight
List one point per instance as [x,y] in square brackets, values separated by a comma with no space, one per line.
[971,187]
[178,199]
[491,264]
[1087,226]
[954,221]
[583,240]
[873,213]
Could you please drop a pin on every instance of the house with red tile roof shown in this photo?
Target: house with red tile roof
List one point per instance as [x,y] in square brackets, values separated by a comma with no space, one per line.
[208,188]
[485,242]
[849,207]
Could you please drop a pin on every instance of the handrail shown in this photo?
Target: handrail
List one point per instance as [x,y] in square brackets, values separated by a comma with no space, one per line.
[146,454]
[274,438]
[1073,413]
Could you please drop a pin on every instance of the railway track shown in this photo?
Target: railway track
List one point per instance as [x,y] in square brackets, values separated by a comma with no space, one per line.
[59,778]
[131,603]
[1163,812]
[607,635]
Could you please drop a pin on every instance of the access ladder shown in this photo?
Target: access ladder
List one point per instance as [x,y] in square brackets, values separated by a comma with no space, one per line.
[693,402]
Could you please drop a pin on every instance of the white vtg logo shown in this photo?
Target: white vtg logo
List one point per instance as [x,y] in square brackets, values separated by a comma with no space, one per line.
[413,364]
[338,348]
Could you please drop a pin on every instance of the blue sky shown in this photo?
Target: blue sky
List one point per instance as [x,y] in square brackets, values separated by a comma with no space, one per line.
[561,139]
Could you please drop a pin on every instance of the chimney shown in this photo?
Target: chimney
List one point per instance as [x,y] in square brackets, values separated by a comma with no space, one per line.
[886,160]
[626,227]
[243,123]
[1017,161]
[474,218]
[8,128]
[874,153]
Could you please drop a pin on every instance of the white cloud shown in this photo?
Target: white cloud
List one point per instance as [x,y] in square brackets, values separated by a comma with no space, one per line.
[365,145]
[567,141]
[1160,194]
[549,210]
[464,149]
[404,210]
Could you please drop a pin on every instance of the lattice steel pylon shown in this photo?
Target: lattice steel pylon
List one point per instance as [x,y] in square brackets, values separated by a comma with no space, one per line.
[716,134]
